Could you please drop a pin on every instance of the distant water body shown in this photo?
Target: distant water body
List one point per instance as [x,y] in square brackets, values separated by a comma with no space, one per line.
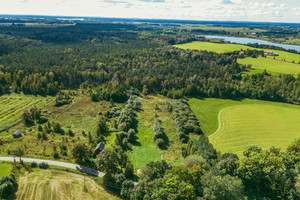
[242,40]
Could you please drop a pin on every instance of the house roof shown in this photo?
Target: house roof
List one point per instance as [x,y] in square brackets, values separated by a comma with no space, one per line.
[17,133]
[100,146]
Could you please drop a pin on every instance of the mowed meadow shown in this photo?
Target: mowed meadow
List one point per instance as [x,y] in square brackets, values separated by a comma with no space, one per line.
[234,125]
[57,184]
[285,63]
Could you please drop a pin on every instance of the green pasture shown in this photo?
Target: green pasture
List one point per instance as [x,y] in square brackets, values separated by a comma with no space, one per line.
[234,125]
[146,150]
[13,105]
[5,169]
[272,66]
[223,48]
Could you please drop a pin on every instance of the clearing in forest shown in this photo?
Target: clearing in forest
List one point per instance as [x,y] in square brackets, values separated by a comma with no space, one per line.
[285,63]
[146,150]
[272,66]
[56,184]
[234,125]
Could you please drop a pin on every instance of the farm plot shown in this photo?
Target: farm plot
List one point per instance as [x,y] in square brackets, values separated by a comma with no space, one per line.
[234,125]
[12,106]
[56,184]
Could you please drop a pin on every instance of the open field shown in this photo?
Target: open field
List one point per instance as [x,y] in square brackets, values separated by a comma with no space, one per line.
[5,169]
[56,184]
[247,122]
[215,47]
[12,106]
[147,150]
[77,116]
[272,66]
[222,48]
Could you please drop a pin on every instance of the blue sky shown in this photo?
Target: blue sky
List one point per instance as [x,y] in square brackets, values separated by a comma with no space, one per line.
[223,10]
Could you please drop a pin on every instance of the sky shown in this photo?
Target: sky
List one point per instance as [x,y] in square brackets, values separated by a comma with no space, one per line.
[219,10]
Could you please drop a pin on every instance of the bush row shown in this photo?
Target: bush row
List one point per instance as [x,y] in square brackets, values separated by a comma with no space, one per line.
[160,136]
[184,119]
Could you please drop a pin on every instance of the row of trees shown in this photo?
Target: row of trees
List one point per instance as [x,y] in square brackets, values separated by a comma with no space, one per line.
[160,137]
[184,119]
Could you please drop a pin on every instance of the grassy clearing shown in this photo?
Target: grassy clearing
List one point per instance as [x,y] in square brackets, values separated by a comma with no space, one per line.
[222,48]
[12,106]
[147,150]
[5,169]
[272,66]
[56,184]
[79,115]
[247,122]
[215,47]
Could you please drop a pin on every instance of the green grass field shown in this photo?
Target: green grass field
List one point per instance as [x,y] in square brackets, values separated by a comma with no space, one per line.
[222,48]
[215,47]
[274,67]
[147,150]
[12,106]
[56,184]
[79,115]
[5,169]
[247,122]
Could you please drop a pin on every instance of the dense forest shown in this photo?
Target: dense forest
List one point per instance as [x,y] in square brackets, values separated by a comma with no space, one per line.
[125,57]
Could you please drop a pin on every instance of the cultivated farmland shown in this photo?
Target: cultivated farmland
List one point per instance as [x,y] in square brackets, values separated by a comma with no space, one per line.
[13,105]
[234,125]
[56,184]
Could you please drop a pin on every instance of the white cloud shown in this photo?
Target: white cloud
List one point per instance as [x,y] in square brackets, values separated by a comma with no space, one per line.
[249,10]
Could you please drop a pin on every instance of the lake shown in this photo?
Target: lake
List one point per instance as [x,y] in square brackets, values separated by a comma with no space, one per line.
[242,40]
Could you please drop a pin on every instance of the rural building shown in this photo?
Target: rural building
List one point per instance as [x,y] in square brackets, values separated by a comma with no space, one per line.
[17,134]
[241,53]
[99,147]
[270,53]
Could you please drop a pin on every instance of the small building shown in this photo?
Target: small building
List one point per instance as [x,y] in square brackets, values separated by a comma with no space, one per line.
[270,53]
[241,53]
[17,134]
[99,147]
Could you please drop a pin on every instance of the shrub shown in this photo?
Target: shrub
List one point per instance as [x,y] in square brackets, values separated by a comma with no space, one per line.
[43,165]
[160,143]
[33,164]
[192,160]
[127,189]
[129,170]
[8,186]
[6,189]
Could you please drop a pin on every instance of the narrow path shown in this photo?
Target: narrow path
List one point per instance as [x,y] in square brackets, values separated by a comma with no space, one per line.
[57,163]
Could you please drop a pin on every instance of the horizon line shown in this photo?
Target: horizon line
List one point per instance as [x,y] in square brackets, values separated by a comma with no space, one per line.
[153,19]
